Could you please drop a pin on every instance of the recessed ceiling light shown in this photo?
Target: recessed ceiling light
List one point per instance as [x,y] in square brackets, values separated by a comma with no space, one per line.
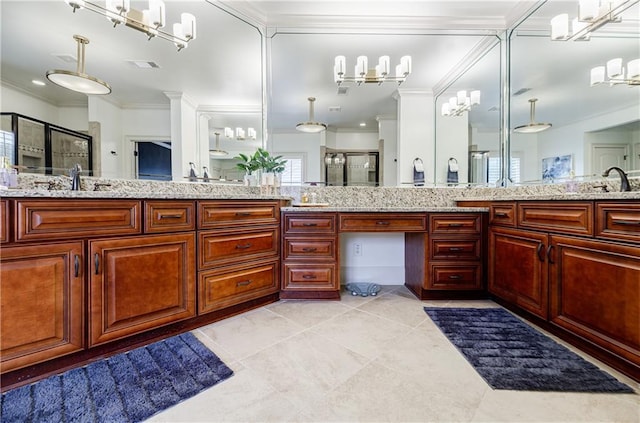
[38,82]
[363,124]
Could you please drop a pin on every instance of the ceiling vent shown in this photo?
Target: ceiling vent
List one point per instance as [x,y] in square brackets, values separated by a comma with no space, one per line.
[343,90]
[67,58]
[493,109]
[335,108]
[143,64]
[521,91]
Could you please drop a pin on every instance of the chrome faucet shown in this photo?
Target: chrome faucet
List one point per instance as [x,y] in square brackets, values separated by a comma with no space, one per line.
[624,181]
[75,177]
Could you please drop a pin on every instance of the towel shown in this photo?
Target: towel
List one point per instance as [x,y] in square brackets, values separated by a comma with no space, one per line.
[418,165]
[453,165]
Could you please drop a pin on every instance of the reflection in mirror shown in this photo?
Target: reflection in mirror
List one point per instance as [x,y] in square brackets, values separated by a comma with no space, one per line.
[156,91]
[468,124]
[594,127]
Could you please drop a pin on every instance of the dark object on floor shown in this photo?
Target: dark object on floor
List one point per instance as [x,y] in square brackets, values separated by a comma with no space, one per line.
[363,289]
[509,354]
[127,387]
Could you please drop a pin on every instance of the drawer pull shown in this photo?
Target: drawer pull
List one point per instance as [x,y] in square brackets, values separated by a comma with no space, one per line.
[454,225]
[500,214]
[243,214]
[243,283]
[76,265]
[626,222]
[540,252]
[456,248]
[382,223]
[243,246]
[170,216]
[309,224]
[455,277]
[549,250]
[96,262]
[309,249]
[309,276]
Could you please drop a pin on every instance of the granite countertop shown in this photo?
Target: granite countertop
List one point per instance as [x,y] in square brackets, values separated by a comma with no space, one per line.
[14,193]
[585,196]
[373,209]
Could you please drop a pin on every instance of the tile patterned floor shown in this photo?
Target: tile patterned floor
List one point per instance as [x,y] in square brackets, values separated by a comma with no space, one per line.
[374,359]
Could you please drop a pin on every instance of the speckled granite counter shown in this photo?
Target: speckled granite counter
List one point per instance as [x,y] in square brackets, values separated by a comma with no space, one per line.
[343,199]
[374,209]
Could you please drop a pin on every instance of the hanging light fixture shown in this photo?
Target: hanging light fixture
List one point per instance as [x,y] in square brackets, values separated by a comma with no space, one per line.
[592,14]
[614,73]
[149,21]
[381,73]
[79,81]
[461,103]
[240,134]
[217,152]
[532,127]
[311,126]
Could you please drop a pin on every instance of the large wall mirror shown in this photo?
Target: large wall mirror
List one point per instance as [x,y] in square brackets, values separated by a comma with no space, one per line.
[593,127]
[219,75]
[468,133]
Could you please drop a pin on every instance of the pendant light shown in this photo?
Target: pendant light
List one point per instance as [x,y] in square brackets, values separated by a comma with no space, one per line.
[311,126]
[532,127]
[217,152]
[79,81]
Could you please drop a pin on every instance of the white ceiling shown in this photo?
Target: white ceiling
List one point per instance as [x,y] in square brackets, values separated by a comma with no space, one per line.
[222,68]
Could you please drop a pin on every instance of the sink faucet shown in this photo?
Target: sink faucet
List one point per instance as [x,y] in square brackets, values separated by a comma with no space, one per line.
[75,177]
[624,181]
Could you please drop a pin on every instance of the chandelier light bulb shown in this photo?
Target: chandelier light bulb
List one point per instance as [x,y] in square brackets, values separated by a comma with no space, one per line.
[588,10]
[158,14]
[560,27]
[597,75]
[633,69]
[380,73]
[228,132]
[461,96]
[614,68]
[188,22]
[475,97]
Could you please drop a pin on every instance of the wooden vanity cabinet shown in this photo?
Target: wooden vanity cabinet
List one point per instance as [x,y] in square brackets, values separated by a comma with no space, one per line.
[4,221]
[140,283]
[595,293]
[518,268]
[575,265]
[447,261]
[310,252]
[42,303]
[239,252]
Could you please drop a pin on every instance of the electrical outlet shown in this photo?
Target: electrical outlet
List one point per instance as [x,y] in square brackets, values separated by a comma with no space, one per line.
[357,249]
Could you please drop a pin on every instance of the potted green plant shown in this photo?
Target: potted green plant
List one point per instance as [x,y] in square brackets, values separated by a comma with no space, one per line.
[248,164]
[271,168]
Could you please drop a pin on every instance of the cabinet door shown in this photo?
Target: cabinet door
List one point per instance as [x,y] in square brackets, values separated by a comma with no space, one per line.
[42,303]
[139,284]
[595,293]
[518,268]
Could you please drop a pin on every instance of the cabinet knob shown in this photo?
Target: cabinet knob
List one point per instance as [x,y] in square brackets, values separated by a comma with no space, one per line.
[308,276]
[382,223]
[76,265]
[309,224]
[455,277]
[243,283]
[96,262]
[309,249]
[243,214]
[243,246]
[169,216]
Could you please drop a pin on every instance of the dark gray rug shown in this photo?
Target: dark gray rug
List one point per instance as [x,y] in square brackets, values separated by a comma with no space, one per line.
[128,387]
[509,354]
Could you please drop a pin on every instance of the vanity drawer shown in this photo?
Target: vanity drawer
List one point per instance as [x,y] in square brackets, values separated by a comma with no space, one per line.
[220,247]
[65,219]
[309,249]
[306,276]
[216,214]
[4,221]
[455,276]
[234,285]
[307,223]
[618,221]
[573,217]
[383,222]
[455,223]
[460,249]
[169,216]
[503,214]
